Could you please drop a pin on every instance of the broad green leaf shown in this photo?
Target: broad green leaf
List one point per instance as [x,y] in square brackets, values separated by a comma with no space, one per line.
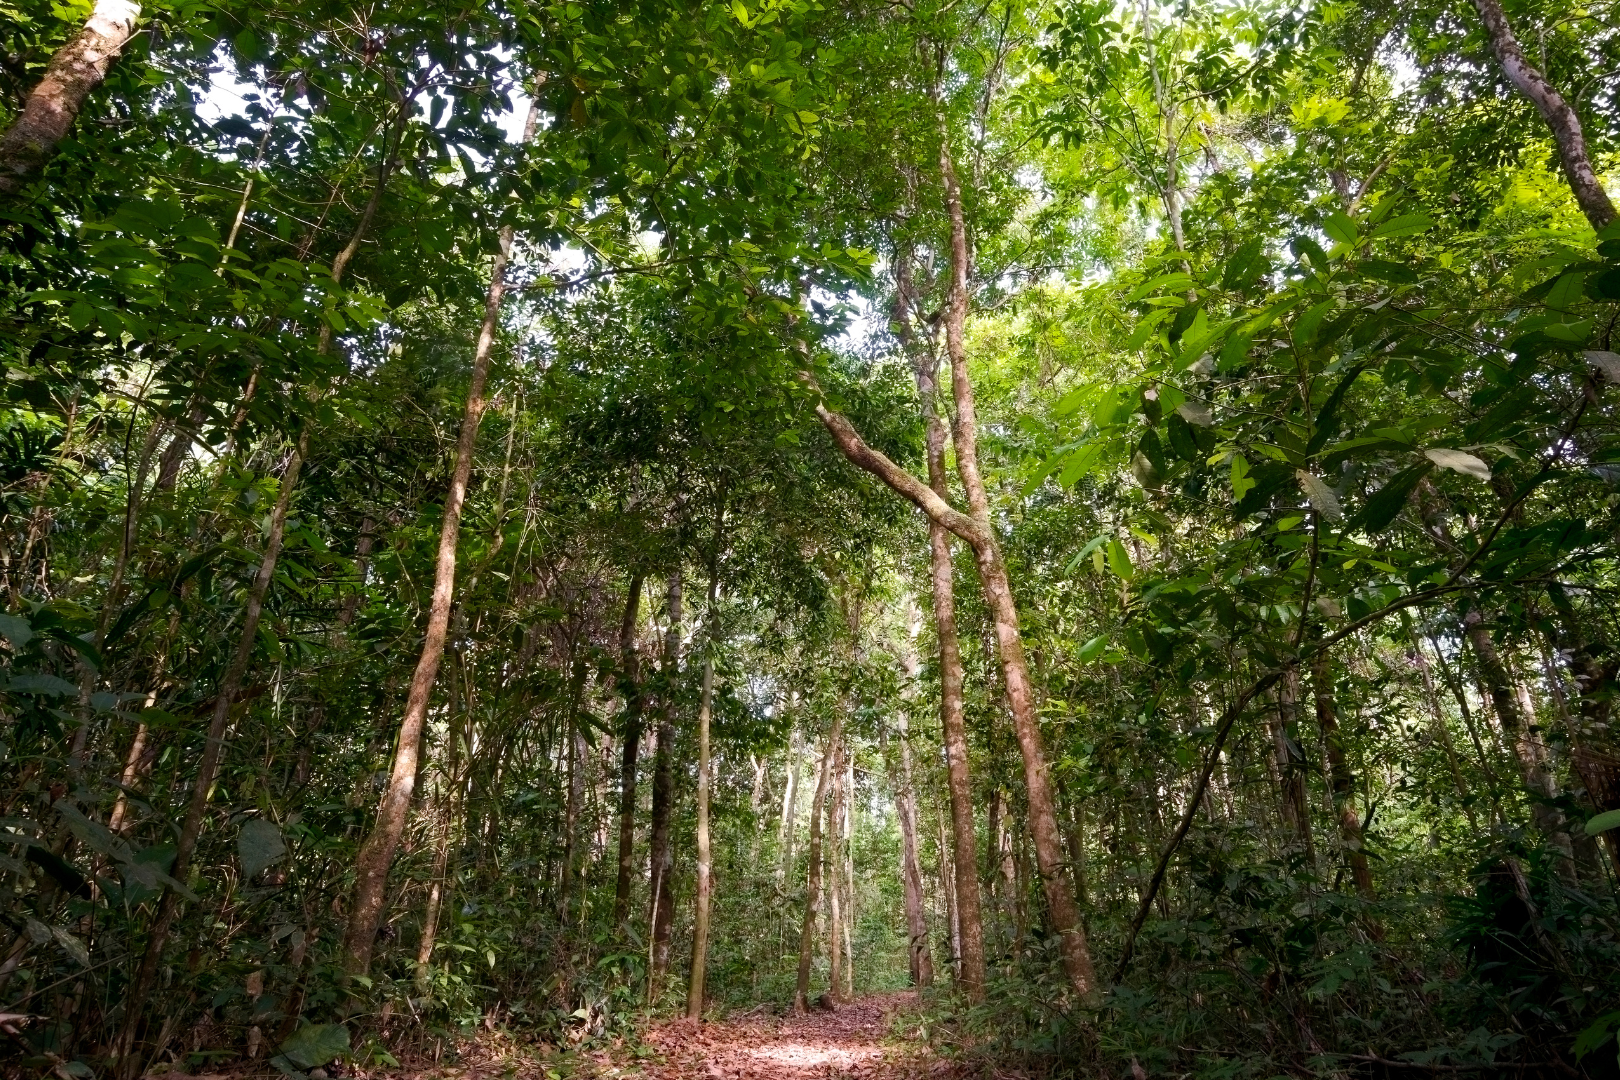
[42,684]
[1241,482]
[1405,225]
[16,630]
[1609,819]
[72,946]
[1119,561]
[1339,226]
[259,845]
[314,1045]
[1195,412]
[1387,502]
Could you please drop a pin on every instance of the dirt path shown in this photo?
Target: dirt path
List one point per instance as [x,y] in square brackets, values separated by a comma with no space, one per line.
[851,1043]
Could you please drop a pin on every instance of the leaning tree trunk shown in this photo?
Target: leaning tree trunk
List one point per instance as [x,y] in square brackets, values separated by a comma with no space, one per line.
[376,855]
[967,923]
[71,76]
[661,904]
[1558,113]
[629,666]
[812,892]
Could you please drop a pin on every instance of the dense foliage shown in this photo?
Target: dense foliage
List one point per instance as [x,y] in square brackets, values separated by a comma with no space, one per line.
[459,485]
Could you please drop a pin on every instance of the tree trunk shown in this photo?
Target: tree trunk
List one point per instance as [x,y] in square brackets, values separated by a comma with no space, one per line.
[835,887]
[905,806]
[71,76]
[1527,748]
[977,529]
[661,911]
[1559,115]
[790,810]
[812,892]
[376,855]
[947,885]
[230,685]
[1290,762]
[441,856]
[967,921]
[700,918]
[1593,668]
[1340,777]
[629,667]
[578,754]
[998,593]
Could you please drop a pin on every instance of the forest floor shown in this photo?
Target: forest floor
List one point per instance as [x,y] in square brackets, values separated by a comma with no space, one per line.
[854,1041]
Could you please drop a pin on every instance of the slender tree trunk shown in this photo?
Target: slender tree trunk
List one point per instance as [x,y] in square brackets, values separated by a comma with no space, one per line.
[812,892]
[1526,747]
[376,855]
[1290,764]
[138,762]
[977,529]
[835,875]
[230,685]
[449,821]
[705,884]
[71,76]
[967,921]
[662,908]
[575,804]
[1340,777]
[790,809]
[905,806]
[629,666]
[1559,115]
[1593,667]
[947,885]
[998,593]
[849,871]
[1442,731]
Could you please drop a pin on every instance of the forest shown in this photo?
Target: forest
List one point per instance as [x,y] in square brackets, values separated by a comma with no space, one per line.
[809,538]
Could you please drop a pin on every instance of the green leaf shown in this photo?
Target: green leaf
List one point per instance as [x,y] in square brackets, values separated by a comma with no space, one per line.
[1388,501]
[1596,1034]
[38,683]
[1164,283]
[16,630]
[259,845]
[314,1045]
[72,946]
[1405,225]
[1241,482]
[1340,227]
[1609,819]
[1119,561]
